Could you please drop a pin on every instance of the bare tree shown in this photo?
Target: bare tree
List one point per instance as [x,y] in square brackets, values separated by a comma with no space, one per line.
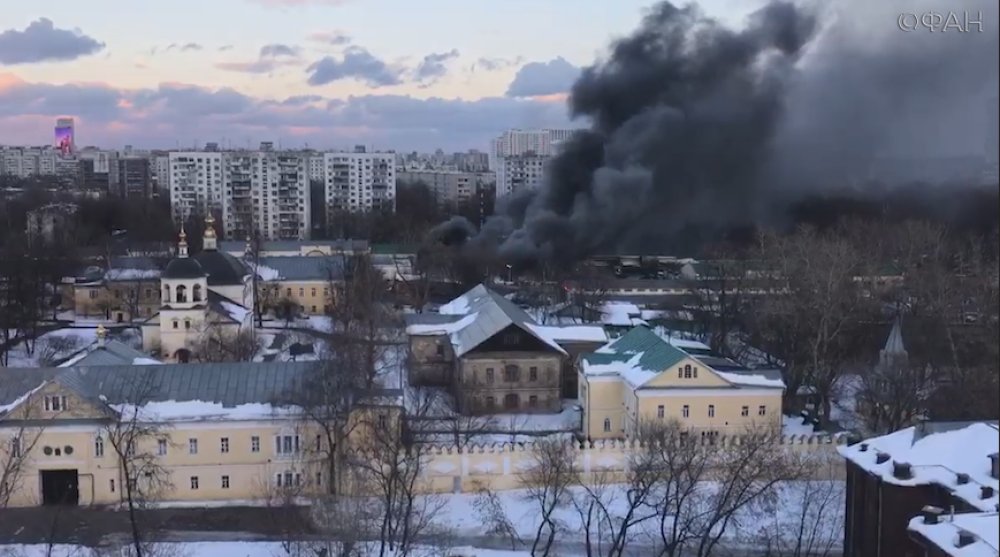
[808,522]
[388,462]
[547,481]
[217,344]
[893,396]
[132,435]
[492,513]
[16,445]
[720,295]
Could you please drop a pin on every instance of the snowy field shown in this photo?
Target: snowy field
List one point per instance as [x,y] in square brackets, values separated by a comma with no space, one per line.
[231,549]
[813,508]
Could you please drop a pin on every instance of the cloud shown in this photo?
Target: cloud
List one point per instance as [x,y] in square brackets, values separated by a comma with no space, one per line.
[186,47]
[298,3]
[494,64]
[278,50]
[356,63]
[40,41]
[225,47]
[334,37]
[434,66]
[171,112]
[271,57]
[543,78]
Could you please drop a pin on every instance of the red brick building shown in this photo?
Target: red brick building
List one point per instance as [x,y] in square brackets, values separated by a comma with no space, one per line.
[951,466]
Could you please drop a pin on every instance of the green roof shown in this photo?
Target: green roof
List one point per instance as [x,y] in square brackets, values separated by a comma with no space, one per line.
[657,354]
[393,248]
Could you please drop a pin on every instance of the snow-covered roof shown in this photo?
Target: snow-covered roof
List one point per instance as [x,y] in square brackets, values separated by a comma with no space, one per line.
[936,453]
[110,352]
[132,274]
[983,527]
[621,314]
[227,308]
[640,355]
[199,410]
[571,333]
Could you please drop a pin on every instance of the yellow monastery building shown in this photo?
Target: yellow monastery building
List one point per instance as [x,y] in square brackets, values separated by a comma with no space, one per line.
[642,376]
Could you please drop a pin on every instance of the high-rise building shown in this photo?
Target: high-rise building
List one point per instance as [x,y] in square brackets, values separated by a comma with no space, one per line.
[449,187]
[161,172]
[24,162]
[519,172]
[135,180]
[266,195]
[359,181]
[195,179]
[522,142]
[65,136]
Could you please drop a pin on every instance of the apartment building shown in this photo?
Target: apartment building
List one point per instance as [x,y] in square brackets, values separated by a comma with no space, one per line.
[359,181]
[641,376]
[24,162]
[521,142]
[196,185]
[135,179]
[213,431]
[449,188]
[266,194]
[520,172]
[161,172]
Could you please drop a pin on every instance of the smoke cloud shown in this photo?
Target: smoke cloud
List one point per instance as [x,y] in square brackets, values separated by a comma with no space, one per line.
[697,128]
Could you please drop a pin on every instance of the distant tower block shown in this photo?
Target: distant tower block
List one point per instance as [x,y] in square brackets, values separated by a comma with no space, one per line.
[65,136]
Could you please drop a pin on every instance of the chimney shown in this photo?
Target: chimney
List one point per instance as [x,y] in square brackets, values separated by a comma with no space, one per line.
[964,538]
[102,334]
[901,470]
[931,514]
[881,458]
[962,478]
[985,492]
[864,447]
[995,466]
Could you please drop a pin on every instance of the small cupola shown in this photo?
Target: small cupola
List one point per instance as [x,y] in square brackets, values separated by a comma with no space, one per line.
[209,240]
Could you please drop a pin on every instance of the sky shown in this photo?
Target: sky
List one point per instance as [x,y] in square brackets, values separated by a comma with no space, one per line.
[389,74]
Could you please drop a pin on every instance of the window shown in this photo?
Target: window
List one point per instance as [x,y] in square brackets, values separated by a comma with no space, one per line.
[680,373]
[93,294]
[161,446]
[288,292]
[607,425]
[224,445]
[15,447]
[533,373]
[440,350]
[660,411]
[687,372]
[181,293]
[313,292]
[176,323]
[686,411]
[98,447]
[489,375]
[194,482]
[532,401]
[55,403]
[510,339]
[319,478]
[196,293]
[694,372]
[762,410]
[302,292]
[288,479]
[187,324]
[111,485]
[193,446]
[511,373]
[286,444]
[511,401]
[490,403]
[225,482]
[711,410]
[383,421]
[745,411]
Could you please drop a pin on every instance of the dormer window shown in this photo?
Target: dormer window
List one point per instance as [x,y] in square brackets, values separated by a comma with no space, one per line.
[55,403]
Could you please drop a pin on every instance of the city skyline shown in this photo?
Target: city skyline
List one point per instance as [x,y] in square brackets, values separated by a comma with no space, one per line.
[297,72]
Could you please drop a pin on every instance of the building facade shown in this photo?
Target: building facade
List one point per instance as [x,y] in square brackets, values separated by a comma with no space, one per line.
[196,186]
[642,377]
[135,178]
[266,195]
[492,355]
[520,172]
[900,484]
[205,440]
[359,182]
[450,188]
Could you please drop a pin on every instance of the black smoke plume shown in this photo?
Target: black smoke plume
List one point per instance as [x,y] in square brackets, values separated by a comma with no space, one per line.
[697,129]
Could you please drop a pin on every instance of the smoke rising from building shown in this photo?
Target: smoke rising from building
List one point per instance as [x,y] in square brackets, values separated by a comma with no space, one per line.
[697,128]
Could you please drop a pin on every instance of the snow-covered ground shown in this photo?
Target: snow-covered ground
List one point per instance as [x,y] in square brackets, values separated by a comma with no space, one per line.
[233,549]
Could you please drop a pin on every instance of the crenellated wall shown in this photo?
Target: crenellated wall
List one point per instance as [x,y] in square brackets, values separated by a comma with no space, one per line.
[499,466]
